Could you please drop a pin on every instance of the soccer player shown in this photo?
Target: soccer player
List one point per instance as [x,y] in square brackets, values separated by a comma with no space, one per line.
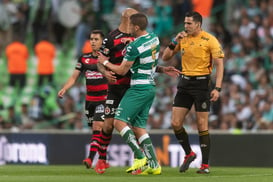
[96,91]
[114,47]
[141,58]
[200,51]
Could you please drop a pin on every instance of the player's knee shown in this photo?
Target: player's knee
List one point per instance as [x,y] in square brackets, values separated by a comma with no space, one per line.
[176,124]
[108,128]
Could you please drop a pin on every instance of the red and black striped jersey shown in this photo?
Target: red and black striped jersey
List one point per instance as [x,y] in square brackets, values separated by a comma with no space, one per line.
[96,83]
[114,46]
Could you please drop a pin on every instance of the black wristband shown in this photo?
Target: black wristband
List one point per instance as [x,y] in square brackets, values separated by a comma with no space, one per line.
[218,89]
[171,46]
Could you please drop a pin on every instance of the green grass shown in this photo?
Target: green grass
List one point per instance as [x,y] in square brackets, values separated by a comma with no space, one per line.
[76,173]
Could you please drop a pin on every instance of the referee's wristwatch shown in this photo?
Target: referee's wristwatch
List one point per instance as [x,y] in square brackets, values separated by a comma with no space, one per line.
[218,89]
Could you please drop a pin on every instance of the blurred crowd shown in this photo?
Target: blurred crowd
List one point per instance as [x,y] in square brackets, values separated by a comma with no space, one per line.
[244,28]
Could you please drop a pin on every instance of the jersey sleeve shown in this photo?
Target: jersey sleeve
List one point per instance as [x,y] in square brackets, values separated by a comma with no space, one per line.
[79,65]
[106,46]
[216,48]
[131,53]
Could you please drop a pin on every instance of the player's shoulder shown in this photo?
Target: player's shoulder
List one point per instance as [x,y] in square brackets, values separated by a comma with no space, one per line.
[207,36]
[114,34]
[86,55]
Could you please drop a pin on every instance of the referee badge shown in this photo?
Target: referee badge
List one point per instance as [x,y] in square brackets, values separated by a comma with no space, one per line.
[182,51]
[204,105]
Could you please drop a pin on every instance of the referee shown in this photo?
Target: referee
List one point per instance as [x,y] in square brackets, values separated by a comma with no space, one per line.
[200,52]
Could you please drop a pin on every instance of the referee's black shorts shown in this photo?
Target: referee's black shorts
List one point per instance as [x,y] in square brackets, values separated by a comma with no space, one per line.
[193,90]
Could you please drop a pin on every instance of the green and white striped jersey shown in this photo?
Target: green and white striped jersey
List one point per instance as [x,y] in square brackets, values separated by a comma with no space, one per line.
[144,51]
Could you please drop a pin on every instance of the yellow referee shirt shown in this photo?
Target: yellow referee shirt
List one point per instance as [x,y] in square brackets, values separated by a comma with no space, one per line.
[197,53]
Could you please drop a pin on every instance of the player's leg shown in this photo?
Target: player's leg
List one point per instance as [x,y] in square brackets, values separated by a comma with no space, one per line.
[114,97]
[139,125]
[146,144]
[95,114]
[204,140]
[129,137]
[202,107]
[182,104]
[134,107]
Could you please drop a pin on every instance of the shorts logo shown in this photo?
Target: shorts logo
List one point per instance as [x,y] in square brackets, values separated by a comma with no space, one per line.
[204,105]
[99,109]
[107,110]
[109,102]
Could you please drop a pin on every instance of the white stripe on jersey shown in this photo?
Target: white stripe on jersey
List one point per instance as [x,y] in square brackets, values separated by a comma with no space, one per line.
[148,59]
[147,72]
[141,82]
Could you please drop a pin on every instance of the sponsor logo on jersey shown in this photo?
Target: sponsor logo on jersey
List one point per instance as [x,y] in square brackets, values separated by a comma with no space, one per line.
[106,51]
[93,75]
[87,61]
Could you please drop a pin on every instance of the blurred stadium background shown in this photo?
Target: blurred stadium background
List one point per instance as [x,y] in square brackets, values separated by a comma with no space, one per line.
[244,28]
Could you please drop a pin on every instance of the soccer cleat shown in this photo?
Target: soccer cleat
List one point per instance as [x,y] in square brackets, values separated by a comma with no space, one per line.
[107,165]
[204,169]
[148,170]
[138,163]
[187,161]
[87,162]
[101,166]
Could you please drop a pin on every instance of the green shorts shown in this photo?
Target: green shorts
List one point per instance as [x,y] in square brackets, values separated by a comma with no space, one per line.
[135,105]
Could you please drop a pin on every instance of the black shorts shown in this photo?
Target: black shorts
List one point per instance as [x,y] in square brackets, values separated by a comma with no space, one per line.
[94,111]
[115,94]
[45,79]
[18,80]
[193,90]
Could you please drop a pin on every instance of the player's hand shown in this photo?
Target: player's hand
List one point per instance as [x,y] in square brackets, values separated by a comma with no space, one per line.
[127,40]
[61,93]
[171,71]
[181,35]
[102,58]
[214,95]
[110,76]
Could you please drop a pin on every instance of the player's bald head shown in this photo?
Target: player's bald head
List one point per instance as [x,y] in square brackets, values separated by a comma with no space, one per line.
[128,12]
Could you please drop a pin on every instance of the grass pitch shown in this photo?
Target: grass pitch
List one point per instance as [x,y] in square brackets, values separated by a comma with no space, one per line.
[77,173]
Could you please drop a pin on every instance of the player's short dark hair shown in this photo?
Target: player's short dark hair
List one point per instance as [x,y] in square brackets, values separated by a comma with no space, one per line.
[197,17]
[140,20]
[98,32]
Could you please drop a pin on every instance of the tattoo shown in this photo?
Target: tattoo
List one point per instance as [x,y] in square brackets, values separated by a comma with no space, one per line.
[101,68]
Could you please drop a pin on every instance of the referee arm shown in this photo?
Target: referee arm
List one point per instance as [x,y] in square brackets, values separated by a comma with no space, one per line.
[219,65]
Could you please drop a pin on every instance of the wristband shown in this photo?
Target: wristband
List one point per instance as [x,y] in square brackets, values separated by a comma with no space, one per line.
[105,62]
[218,89]
[174,41]
[171,46]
